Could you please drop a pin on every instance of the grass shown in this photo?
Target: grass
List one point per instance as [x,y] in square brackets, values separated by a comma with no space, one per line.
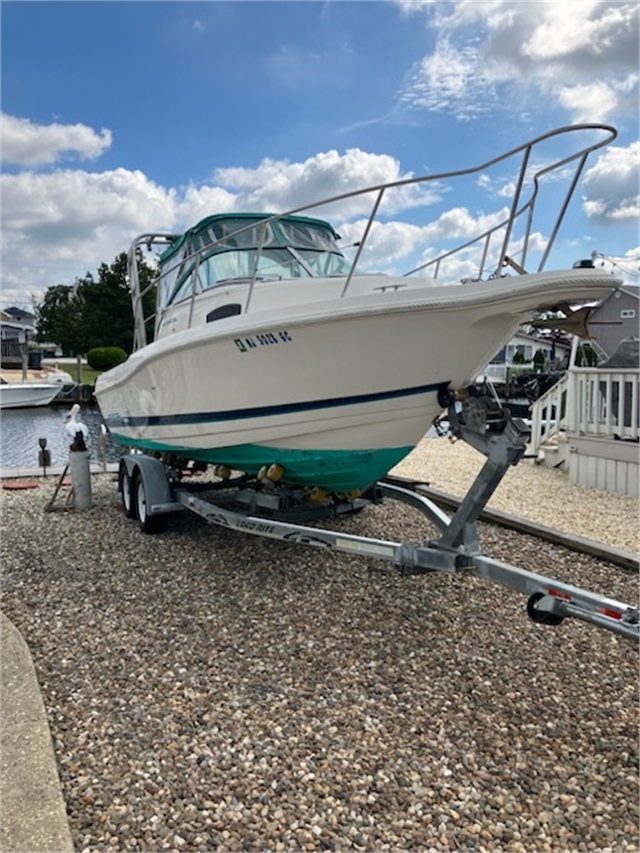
[89,375]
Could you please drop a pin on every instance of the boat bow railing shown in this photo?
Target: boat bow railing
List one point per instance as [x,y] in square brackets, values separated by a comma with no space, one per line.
[513,230]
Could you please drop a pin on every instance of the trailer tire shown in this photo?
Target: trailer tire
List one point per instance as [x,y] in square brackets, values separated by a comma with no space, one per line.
[126,492]
[147,523]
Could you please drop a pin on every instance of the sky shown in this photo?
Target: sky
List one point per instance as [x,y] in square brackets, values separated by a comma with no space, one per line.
[122,117]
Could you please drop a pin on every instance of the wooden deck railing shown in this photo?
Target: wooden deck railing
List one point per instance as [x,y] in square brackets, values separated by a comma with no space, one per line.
[11,353]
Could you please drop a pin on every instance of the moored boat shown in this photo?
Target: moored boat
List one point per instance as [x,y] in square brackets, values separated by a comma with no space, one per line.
[14,395]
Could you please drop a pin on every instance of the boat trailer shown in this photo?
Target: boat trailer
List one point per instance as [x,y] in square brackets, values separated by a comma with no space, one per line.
[151,488]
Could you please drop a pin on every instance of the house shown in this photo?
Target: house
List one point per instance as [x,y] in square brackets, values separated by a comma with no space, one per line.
[19,315]
[617,317]
[522,349]
[17,331]
[589,421]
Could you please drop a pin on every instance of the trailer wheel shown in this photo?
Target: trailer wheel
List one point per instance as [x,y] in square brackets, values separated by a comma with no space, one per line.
[126,491]
[541,617]
[147,523]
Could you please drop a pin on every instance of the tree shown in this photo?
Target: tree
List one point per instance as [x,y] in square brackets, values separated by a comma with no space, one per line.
[539,359]
[93,313]
[107,315]
[59,319]
[586,356]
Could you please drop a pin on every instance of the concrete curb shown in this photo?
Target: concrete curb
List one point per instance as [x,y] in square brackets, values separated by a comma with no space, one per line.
[33,818]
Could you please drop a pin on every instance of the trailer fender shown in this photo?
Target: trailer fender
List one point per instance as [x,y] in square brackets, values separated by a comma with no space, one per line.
[156,482]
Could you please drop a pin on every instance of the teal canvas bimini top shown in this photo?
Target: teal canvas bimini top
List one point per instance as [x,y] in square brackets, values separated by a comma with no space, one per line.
[299,232]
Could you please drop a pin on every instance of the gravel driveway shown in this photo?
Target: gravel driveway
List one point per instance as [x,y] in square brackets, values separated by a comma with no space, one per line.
[212,691]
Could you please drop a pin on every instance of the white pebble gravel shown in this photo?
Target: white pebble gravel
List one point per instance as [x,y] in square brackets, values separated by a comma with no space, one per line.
[210,691]
[528,491]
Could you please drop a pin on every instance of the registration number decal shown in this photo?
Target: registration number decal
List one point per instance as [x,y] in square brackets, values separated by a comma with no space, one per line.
[265,339]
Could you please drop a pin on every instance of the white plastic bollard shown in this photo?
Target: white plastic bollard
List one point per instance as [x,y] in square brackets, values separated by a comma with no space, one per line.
[80,473]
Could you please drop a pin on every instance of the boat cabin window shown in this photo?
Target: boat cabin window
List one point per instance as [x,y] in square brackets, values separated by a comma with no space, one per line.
[325,263]
[173,270]
[239,265]
[223,249]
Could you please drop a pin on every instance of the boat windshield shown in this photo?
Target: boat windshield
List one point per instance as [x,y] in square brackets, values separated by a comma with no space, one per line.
[234,248]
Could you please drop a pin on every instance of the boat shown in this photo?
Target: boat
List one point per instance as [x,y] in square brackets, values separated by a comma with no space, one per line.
[33,387]
[276,354]
[43,375]
[14,395]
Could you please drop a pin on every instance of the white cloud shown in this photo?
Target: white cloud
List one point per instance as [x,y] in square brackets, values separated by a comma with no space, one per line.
[569,29]
[450,78]
[500,52]
[397,247]
[388,242]
[198,202]
[611,192]
[58,226]
[590,102]
[279,185]
[27,144]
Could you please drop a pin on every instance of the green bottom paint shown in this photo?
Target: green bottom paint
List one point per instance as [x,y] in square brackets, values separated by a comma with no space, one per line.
[335,470]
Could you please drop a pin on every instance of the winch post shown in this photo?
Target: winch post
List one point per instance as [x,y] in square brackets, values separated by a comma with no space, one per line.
[502,449]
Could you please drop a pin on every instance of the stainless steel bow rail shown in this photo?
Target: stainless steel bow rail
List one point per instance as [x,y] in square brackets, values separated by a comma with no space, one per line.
[151,488]
[555,159]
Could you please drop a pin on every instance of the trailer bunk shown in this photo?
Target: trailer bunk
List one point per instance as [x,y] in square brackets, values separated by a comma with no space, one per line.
[152,487]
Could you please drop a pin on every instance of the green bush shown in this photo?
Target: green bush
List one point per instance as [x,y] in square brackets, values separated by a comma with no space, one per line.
[586,356]
[539,359]
[104,358]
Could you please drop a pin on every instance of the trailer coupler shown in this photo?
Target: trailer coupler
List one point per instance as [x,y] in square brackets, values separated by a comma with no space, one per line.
[551,601]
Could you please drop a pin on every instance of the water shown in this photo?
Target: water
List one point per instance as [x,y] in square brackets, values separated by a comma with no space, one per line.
[20,430]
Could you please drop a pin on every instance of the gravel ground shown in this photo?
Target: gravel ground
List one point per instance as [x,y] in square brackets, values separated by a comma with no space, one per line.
[531,492]
[212,691]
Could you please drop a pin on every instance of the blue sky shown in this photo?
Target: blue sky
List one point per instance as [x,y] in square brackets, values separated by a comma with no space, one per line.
[122,117]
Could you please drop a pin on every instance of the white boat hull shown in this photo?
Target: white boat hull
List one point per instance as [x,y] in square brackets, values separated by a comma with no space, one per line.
[337,392]
[16,395]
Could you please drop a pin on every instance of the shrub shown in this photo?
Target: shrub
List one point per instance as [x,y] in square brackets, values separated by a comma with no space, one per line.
[586,356]
[539,359]
[104,358]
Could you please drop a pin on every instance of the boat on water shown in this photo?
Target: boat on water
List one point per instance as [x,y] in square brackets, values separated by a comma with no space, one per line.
[15,395]
[30,387]
[275,353]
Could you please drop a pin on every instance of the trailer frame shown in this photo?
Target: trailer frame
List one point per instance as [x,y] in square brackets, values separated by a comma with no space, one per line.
[152,487]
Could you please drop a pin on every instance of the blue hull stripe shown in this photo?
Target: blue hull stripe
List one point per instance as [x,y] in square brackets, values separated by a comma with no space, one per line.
[269,411]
